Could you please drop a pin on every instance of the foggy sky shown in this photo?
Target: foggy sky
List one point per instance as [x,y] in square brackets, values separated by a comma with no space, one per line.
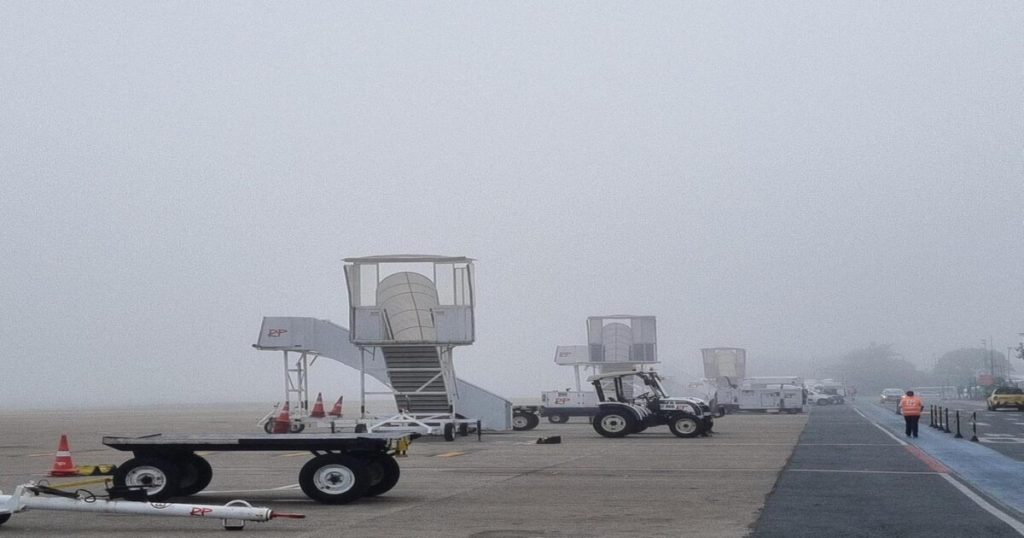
[795,178]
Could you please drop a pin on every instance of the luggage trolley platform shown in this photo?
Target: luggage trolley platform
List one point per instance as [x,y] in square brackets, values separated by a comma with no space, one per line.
[344,467]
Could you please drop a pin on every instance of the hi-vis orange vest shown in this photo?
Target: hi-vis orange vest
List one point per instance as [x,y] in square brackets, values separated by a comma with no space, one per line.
[911,406]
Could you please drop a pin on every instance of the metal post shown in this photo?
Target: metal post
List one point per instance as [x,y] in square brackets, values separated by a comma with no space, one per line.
[947,430]
[362,382]
[958,436]
[974,426]
[931,416]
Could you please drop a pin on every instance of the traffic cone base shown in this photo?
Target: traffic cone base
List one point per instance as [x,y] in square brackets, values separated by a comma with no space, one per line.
[62,465]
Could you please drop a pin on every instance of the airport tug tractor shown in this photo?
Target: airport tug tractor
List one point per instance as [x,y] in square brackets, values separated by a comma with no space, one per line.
[620,413]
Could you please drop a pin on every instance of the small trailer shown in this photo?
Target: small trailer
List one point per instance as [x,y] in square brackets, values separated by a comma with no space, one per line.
[345,466]
[558,406]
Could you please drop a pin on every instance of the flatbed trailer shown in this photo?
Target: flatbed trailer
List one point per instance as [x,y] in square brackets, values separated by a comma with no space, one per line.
[344,467]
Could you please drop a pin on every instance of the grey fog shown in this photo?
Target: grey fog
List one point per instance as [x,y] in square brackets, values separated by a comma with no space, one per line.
[799,179]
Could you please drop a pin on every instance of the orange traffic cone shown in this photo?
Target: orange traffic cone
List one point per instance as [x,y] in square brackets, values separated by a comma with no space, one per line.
[336,410]
[63,466]
[318,407]
[283,421]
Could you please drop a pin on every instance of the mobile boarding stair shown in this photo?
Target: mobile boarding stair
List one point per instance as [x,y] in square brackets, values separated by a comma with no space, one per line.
[403,333]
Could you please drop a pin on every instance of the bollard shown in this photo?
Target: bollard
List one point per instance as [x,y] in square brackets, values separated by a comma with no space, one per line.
[958,436]
[938,417]
[931,416]
[947,430]
[974,426]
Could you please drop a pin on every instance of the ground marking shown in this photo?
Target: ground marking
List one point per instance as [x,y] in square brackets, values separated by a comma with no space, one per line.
[221,492]
[985,505]
[857,471]
[79,483]
[449,454]
[879,426]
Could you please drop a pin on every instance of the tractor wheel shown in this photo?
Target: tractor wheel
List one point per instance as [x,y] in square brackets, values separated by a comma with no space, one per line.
[335,478]
[685,426]
[158,476]
[558,418]
[614,423]
[195,475]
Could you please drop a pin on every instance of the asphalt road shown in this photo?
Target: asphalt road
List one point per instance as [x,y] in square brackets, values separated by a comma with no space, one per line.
[848,477]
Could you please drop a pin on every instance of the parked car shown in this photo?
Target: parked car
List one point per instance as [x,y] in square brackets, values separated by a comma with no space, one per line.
[818,398]
[1006,397]
[891,395]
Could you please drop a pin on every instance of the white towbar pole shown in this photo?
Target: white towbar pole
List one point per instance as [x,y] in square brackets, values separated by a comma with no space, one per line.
[233,514]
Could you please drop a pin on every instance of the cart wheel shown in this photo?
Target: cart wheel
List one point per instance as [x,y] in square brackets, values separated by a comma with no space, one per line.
[268,426]
[558,418]
[159,477]
[449,431]
[334,478]
[297,427]
[384,473]
[195,474]
[463,429]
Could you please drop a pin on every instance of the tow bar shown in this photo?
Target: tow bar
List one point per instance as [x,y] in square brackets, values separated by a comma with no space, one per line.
[34,496]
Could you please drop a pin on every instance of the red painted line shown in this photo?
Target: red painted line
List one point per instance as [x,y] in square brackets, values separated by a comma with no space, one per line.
[931,462]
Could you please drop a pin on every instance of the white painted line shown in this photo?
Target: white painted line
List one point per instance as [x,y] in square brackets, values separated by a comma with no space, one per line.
[264,490]
[887,432]
[1002,516]
[858,471]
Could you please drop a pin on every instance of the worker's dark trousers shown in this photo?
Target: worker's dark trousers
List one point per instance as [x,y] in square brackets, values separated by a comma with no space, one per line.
[911,424]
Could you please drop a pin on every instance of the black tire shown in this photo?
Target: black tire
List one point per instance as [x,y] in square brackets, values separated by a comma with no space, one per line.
[268,426]
[463,429]
[558,418]
[449,431]
[384,474]
[160,477]
[195,474]
[4,518]
[335,478]
[614,423]
[522,421]
[296,427]
[685,426]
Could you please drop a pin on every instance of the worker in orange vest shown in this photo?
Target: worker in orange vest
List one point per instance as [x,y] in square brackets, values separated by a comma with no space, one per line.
[911,407]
